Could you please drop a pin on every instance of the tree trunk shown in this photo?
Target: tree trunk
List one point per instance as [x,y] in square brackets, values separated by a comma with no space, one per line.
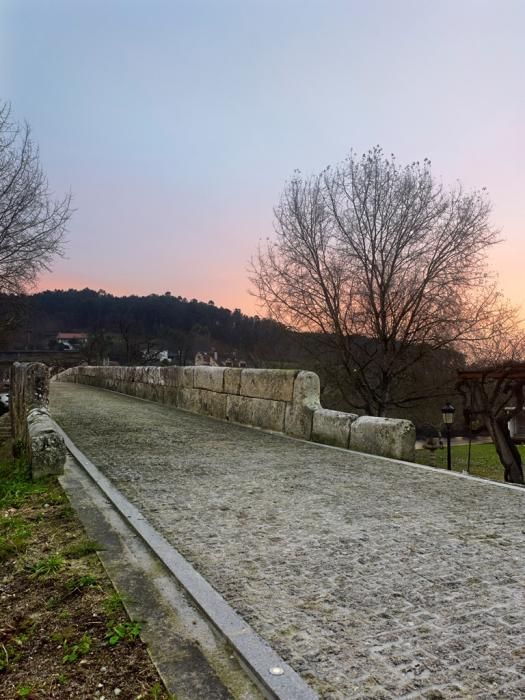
[507,451]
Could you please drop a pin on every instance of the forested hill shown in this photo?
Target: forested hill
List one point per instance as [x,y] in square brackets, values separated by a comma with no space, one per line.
[134,329]
[172,322]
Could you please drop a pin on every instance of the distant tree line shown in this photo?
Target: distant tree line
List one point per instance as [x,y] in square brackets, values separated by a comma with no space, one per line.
[132,329]
[135,327]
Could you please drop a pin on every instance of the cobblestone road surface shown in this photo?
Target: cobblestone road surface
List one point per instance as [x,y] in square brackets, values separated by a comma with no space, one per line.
[373,579]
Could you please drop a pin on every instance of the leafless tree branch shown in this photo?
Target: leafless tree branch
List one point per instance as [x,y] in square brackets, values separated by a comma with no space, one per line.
[387,263]
[32,224]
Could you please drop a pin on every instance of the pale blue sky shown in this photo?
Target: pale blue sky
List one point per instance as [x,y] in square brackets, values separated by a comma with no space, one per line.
[175,123]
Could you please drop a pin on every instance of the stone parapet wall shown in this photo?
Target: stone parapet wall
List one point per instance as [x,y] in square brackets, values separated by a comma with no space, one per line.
[285,401]
[389,437]
[333,427]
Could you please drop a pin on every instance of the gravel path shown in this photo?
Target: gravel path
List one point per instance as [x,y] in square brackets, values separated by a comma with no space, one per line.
[373,579]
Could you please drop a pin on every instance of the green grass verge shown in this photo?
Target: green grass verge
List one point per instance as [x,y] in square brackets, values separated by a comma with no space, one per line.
[63,630]
[484,460]
[16,485]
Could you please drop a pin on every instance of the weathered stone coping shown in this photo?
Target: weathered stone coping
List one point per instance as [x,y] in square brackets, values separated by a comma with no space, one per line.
[284,401]
[48,451]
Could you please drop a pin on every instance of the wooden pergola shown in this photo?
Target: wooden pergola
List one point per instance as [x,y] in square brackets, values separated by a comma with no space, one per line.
[510,371]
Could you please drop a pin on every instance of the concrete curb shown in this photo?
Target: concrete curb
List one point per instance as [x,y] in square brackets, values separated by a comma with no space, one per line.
[192,660]
[275,678]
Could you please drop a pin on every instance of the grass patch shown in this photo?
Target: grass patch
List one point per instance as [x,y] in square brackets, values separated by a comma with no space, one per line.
[484,460]
[47,567]
[9,655]
[81,549]
[80,582]
[58,610]
[14,536]
[113,604]
[16,485]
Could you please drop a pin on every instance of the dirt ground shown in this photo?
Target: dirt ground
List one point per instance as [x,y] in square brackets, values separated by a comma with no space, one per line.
[63,629]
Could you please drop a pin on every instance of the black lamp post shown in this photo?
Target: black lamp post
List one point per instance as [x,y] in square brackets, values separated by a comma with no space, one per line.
[447,412]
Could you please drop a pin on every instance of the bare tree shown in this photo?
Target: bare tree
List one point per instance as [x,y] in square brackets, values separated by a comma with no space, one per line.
[493,395]
[386,266]
[32,224]
[493,389]
[98,346]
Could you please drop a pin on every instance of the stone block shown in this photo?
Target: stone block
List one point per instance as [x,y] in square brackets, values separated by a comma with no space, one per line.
[305,400]
[170,397]
[151,375]
[66,375]
[119,373]
[332,427]
[69,375]
[109,379]
[213,404]
[232,380]
[150,392]
[388,437]
[187,377]
[48,451]
[120,386]
[210,378]
[189,399]
[132,375]
[140,375]
[261,413]
[171,376]
[131,388]
[274,384]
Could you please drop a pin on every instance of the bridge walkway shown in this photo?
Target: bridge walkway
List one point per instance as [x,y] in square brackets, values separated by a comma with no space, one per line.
[372,578]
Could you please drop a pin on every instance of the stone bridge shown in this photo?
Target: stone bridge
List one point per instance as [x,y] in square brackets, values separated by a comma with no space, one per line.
[370,577]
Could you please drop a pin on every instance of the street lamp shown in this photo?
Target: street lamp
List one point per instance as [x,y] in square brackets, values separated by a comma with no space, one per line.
[447,412]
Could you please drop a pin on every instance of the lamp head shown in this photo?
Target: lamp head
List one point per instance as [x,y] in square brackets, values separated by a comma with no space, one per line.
[447,411]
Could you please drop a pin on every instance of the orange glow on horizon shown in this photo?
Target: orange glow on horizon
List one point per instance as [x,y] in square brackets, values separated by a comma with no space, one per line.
[505,260]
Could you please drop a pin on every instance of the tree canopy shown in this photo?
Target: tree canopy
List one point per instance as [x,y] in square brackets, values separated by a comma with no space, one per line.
[388,265]
[32,224]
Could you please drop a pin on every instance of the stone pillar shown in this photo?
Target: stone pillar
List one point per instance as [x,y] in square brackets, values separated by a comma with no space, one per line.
[29,388]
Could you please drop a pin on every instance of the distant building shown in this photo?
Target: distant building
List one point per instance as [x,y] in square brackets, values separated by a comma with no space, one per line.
[72,341]
[211,359]
[206,359]
[234,362]
[72,338]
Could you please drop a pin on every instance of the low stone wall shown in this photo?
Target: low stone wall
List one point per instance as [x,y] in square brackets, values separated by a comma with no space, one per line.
[48,450]
[285,401]
[34,436]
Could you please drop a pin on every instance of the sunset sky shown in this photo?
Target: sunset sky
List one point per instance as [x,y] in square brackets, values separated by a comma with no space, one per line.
[175,123]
